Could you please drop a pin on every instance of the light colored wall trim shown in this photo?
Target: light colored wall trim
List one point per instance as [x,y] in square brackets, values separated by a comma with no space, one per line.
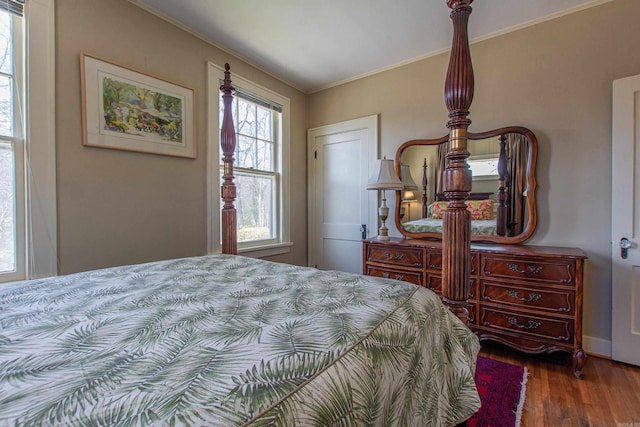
[40,137]
[214,74]
[597,346]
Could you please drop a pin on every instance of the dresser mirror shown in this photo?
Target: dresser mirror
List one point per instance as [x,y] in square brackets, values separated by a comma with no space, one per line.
[502,200]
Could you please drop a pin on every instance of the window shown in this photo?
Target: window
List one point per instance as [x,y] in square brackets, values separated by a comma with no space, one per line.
[12,254]
[483,167]
[27,140]
[260,167]
[257,125]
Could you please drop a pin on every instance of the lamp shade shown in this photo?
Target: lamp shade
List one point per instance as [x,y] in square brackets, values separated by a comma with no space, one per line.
[384,176]
[408,184]
[408,196]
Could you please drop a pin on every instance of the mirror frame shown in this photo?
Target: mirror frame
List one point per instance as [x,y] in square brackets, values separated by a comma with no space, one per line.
[531,185]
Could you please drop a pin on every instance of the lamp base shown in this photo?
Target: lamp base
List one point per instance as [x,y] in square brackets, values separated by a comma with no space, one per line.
[383,233]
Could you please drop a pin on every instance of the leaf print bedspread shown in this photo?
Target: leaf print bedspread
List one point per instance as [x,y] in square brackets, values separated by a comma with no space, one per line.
[225,340]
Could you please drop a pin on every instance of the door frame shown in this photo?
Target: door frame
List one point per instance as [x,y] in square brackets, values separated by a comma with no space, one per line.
[625,121]
[370,123]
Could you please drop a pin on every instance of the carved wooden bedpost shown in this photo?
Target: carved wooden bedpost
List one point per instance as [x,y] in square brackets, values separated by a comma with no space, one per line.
[228,145]
[503,210]
[424,188]
[456,238]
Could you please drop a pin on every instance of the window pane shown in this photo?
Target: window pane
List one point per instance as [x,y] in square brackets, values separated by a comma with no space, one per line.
[255,207]
[245,152]
[265,156]
[485,167]
[264,124]
[6,43]
[7,200]
[6,106]
[246,118]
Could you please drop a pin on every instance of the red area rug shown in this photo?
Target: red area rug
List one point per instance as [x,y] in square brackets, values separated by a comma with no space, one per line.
[502,388]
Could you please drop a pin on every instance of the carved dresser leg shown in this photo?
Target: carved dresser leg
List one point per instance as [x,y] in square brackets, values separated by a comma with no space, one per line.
[579,358]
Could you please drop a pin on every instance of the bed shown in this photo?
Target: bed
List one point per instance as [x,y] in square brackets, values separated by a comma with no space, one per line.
[227,340]
[482,208]
[479,227]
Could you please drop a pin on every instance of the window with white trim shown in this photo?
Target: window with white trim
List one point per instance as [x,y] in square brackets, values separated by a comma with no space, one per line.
[12,191]
[261,166]
[483,167]
[257,176]
[28,217]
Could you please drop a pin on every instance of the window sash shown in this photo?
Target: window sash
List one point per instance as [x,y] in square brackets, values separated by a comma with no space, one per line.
[483,167]
[12,264]
[255,140]
[14,144]
[250,234]
[258,209]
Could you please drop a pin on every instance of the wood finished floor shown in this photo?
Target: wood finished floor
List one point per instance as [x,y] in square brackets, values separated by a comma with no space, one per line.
[609,394]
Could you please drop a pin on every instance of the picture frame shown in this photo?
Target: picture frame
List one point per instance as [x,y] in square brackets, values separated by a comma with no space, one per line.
[124,109]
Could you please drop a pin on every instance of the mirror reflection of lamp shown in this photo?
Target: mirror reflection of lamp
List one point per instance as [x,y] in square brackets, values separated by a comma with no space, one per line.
[408,188]
[384,178]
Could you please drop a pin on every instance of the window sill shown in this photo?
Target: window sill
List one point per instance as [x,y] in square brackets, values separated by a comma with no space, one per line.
[268,250]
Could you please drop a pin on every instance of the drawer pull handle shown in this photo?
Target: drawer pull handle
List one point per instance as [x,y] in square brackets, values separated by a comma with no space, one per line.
[532,324]
[399,256]
[532,269]
[398,276]
[532,297]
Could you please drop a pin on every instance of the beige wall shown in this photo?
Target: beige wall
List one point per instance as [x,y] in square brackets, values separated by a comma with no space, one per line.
[117,207]
[554,78]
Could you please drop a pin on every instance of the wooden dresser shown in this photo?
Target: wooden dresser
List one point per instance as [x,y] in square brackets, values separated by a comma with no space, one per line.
[527,297]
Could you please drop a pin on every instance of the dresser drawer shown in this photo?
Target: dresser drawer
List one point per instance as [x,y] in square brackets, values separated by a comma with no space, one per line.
[434,262]
[553,300]
[393,255]
[544,327]
[560,272]
[406,276]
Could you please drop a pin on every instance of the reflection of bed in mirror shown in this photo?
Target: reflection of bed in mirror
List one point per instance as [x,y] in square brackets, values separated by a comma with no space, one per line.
[482,207]
[503,202]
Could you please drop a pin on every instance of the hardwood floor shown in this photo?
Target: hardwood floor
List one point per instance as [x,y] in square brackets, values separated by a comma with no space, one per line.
[609,394]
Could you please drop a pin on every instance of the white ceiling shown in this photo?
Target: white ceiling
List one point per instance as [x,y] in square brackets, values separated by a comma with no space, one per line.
[314,44]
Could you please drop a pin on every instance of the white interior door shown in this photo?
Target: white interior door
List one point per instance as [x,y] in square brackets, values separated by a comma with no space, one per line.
[339,158]
[625,220]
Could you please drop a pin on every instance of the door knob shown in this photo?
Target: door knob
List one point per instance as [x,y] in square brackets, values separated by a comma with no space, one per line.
[625,244]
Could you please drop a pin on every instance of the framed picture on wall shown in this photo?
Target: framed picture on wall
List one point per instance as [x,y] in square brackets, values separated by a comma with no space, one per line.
[125,109]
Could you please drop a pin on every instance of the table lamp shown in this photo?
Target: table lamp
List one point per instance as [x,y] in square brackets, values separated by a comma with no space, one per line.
[384,178]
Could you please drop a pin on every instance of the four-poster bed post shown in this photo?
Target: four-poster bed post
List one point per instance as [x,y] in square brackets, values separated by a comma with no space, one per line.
[456,236]
[503,208]
[457,176]
[424,188]
[228,145]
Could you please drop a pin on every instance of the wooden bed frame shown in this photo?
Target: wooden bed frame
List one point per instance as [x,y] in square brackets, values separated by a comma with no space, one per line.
[456,238]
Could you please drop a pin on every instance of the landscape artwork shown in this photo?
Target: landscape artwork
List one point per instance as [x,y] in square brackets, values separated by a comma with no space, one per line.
[141,111]
[128,110]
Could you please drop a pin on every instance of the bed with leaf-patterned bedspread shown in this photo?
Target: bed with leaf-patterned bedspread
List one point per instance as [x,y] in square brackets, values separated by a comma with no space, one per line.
[225,340]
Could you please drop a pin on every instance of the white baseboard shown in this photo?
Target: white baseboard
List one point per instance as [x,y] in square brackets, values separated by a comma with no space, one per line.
[597,346]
